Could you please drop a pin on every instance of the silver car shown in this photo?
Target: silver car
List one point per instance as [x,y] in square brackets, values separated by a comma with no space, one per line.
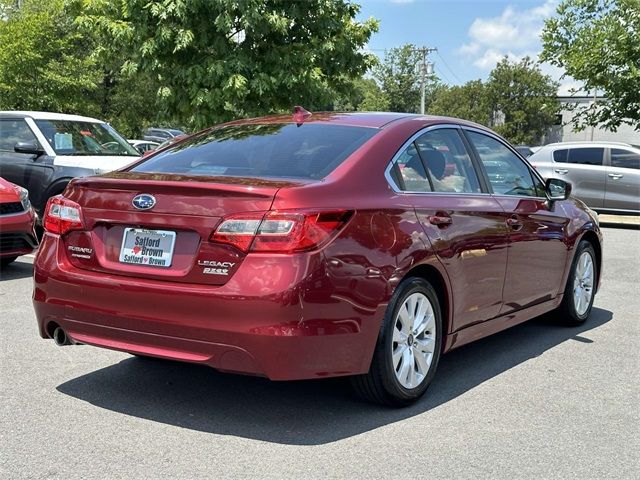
[604,175]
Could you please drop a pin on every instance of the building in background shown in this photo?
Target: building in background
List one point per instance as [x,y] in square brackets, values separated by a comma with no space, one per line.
[565,131]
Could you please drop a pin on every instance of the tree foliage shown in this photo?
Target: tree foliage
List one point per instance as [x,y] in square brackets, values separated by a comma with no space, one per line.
[468,101]
[523,100]
[518,101]
[215,61]
[365,95]
[398,78]
[45,62]
[598,43]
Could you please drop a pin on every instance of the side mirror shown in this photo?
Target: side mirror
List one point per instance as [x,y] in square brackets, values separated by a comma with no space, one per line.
[31,148]
[557,189]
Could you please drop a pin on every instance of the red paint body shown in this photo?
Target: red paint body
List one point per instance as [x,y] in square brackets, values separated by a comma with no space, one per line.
[311,314]
[17,234]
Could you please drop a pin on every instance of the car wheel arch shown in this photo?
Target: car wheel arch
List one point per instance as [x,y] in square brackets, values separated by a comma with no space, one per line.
[438,280]
[591,237]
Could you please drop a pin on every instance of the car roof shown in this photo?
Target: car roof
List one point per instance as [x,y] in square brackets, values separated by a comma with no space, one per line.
[587,144]
[358,119]
[48,116]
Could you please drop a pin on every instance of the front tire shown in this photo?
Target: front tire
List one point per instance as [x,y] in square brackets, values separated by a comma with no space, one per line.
[408,347]
[580,290]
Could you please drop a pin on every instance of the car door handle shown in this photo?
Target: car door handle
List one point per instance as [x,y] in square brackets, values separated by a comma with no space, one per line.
[615,176]
[441,220]
[561,171]
[514,223]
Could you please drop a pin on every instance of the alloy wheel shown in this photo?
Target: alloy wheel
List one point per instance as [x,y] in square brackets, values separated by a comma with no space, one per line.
[414,339]
[583,283]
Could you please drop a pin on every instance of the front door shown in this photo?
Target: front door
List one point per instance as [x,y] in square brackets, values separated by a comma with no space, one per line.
[537,251]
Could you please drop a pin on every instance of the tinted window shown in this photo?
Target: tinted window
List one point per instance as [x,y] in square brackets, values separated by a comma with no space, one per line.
[273,150]
[507,173]
[448,163]
[561,156]
[13,131]
[625,158]
[586,156]
[410,170]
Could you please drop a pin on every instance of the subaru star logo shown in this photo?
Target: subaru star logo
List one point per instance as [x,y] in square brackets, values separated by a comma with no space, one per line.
[144,201]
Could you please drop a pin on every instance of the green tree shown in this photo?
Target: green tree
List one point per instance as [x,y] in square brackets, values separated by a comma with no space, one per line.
[364,95]
[44,61]
[214,61]
[598,43]
[468,101]
[398,78]
[523,100]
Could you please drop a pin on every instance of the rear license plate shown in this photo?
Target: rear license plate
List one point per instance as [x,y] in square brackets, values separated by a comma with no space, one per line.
[152,248]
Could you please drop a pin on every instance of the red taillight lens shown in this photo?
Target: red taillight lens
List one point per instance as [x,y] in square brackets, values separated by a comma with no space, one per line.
[281,232]
[62,216]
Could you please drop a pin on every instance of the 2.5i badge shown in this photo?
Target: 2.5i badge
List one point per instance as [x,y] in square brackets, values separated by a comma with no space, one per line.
[213,267]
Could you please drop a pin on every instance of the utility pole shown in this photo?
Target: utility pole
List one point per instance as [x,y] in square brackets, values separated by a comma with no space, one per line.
[426,69]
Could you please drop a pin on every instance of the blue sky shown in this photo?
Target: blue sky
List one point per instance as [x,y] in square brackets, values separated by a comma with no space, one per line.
[470,35]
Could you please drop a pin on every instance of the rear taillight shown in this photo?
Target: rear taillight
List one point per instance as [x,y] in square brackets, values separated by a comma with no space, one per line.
[282,232]
[62,216]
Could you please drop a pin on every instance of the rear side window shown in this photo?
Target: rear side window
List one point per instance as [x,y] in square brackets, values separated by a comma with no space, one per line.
[310,151]
[586,156]
[561,156]
[450,167]
[13,131]
[625,158]
[411,171]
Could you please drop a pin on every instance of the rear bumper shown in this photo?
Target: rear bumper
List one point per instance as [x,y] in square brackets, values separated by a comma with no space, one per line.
[278,316]
[17,235]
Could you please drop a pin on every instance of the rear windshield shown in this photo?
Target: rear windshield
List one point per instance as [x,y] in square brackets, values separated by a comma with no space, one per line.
[309,151]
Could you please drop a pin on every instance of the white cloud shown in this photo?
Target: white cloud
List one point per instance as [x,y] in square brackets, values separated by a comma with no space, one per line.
[514,33]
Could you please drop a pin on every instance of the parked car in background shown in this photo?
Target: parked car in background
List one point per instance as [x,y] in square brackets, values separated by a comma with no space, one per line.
[604,175]
[171,140]
[144,146]
[161,134]
[43,151]
[315,246]
[17,223]
[524,150]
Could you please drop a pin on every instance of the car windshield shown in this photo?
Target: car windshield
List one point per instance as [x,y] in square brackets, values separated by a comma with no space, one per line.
[309,151]
[84,138]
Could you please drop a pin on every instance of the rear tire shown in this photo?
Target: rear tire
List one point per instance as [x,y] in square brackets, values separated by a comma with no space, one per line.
[580,290]
[408,348]
[6,261]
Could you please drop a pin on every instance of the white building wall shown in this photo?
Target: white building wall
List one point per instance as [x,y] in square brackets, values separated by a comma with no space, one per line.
[625,133]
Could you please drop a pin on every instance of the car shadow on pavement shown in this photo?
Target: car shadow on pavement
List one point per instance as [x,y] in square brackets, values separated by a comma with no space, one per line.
[304,412]
[16,270]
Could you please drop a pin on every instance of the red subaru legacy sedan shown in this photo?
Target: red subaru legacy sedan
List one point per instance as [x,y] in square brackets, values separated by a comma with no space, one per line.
[312,246]
[17,220]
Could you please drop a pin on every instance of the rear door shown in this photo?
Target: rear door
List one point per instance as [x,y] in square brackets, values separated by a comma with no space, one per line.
[622,190]
[464,224]
[537,249]
[584,168]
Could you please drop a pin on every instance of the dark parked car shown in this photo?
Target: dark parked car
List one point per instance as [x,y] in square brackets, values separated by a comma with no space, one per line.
[43,151]
[315,246]
[159,135]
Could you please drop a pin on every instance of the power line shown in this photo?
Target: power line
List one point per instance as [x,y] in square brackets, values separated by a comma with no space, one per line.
[441,72]
[448,68]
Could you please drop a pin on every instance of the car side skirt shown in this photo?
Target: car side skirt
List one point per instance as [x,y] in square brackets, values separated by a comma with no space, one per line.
[489,327]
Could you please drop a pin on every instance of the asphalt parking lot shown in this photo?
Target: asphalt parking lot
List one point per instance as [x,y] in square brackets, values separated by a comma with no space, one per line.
[536,401]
